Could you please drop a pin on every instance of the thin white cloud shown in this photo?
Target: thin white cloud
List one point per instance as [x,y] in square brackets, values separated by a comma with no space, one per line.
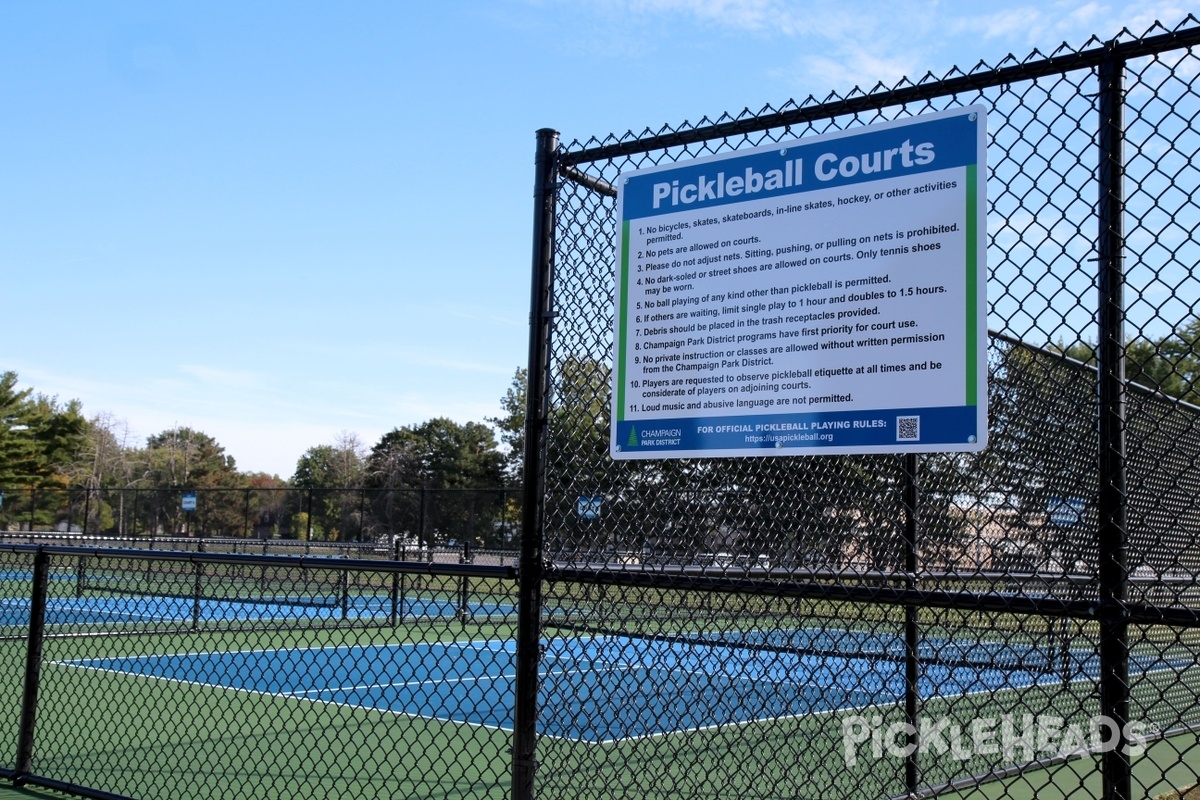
[856,67]
[1003,24]
[882,42]
[741,14]
[223,378]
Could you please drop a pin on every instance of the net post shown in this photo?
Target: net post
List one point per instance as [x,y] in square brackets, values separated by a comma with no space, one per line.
[396,578]
[33,665]
[80,575]
[308,522]
[422,540]
[464,583]
[197,587]
[344,591]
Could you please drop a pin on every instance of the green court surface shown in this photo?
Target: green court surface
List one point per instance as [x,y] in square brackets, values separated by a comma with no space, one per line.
[480,753]
[8,792]
[283,718]
[1168,766]
[1168,769]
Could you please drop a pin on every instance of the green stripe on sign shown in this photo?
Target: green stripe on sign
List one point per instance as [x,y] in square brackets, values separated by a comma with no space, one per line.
[623,310]
[973,310]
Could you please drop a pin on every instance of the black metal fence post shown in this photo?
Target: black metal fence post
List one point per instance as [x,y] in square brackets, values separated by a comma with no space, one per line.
[397,598]
[912,633]
[197,588]
[1113,574]
[362,512]
[33,665]
[464,583]
[423,544]
[524,765]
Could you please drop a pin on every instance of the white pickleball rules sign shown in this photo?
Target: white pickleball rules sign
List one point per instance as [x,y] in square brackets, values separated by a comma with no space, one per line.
[825,295]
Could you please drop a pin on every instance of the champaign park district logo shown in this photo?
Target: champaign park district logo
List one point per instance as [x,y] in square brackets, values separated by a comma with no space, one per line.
[653,437]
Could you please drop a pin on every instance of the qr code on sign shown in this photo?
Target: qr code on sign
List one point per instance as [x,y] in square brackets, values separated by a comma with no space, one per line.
[908,429]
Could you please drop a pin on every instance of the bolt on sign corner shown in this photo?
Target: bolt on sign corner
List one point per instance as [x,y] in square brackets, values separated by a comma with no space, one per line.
[825,295]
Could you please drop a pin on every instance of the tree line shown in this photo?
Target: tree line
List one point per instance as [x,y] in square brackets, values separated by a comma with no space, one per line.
[1041,409]
[46,443]
[63,470]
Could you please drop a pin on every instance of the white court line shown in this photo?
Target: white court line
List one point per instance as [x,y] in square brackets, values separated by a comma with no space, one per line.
[107,612]
[508,646]
[464,679]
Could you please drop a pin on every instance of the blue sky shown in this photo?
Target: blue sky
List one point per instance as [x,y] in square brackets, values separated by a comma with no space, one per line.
[280,222]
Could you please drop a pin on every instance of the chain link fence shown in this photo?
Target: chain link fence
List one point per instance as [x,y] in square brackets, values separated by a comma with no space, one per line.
[423,518]
[196,675]
[1014,623]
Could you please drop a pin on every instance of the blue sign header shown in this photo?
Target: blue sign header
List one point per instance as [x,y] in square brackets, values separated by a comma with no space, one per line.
[891,150]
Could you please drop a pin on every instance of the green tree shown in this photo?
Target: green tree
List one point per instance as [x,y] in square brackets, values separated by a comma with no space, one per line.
[1170,364]
[511,426]
[186,458]
[333,475]
[182,458]
[315,468]
[60,431]
[340,465]
[438,454]
[423,464]
[19,466]
[40,443]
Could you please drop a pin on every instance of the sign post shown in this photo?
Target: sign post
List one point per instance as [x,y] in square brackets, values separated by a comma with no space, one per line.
[188,504]
[823,295]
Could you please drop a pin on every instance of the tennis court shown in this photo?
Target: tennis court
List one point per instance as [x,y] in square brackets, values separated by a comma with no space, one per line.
[594,690]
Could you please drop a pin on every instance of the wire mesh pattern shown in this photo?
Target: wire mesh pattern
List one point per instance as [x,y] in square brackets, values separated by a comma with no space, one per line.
[1014,623]
[170,674]
[888,626]
[314,517]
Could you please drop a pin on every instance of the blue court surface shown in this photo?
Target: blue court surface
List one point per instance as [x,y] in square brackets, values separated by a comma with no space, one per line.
[594,690]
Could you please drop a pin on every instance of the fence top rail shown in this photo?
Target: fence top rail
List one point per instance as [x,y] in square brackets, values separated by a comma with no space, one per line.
[1179,579]
[251,559]
[982,76]
[894,595]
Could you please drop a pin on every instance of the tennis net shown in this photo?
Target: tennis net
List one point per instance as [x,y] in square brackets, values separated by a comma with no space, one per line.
[819,628]
[238,583]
